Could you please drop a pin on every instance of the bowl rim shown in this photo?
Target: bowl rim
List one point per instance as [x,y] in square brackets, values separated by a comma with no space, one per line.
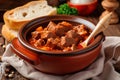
[90,3]
[22,38]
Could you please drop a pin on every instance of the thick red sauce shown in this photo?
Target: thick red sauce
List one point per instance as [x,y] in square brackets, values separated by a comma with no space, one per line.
[62,36]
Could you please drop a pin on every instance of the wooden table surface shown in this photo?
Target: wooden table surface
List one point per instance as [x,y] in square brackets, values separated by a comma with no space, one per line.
[112,30]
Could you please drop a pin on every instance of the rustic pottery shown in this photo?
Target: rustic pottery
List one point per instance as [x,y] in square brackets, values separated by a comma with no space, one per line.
[52,62]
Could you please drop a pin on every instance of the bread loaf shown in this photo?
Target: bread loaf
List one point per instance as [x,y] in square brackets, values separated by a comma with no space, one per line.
[17,17]
[9,34]
[14,19]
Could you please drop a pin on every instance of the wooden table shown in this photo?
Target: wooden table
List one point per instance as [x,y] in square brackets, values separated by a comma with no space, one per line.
[112,30]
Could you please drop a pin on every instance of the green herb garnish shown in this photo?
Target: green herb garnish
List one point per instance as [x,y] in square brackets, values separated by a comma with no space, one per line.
[65,9]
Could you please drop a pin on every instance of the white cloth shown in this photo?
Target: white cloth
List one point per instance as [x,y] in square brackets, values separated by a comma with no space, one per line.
[101,69]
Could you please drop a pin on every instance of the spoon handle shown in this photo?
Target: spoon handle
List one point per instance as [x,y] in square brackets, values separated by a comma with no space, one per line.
[101,26]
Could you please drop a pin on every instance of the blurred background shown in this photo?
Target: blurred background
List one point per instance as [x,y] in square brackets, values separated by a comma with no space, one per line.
[10,4]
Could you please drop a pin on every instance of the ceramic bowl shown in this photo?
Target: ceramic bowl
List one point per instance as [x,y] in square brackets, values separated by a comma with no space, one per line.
[52,62]
[84,9]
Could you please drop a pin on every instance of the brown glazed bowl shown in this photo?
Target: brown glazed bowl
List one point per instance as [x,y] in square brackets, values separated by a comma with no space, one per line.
[52,62]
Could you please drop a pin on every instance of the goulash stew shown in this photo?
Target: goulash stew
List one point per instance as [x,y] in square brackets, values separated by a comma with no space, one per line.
[62,36]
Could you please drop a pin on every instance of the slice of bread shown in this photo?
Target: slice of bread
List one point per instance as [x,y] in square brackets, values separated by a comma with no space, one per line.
[19,16]
[14,19]
[8,34]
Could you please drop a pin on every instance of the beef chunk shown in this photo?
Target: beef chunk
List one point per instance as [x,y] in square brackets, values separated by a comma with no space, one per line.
[51,26]
[39,42]
[62,28]
[47,34]
[67,24]
[50,43]
[67,41]
[35,35]
[53,43]
[75,35]
[81,29]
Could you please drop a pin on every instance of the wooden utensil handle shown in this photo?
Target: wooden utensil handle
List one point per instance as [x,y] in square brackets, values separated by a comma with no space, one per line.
[101,26]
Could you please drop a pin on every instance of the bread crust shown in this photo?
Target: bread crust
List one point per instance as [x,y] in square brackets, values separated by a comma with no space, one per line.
[12,24]
[8,34]
[16,24]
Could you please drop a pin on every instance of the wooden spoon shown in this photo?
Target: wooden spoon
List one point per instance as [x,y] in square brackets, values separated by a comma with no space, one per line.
[101,26]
